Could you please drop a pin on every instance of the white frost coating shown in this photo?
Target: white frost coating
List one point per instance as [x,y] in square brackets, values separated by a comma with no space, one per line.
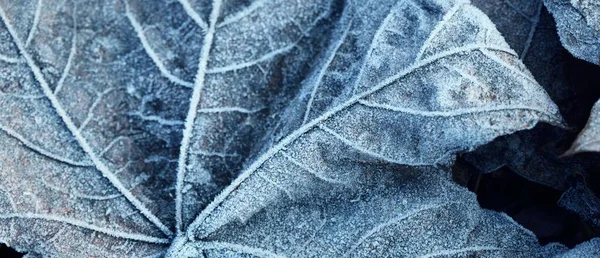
[74,130]
[323,70]
[396,212]
[36,22]
[58,234]
[81,195]
[239,15]
[578,25]
[216,154]
[273,46]
[381,227]
[81,224]
[19,96]
[193,111]
[389,128]
[111,144]
[325,215]
[465,75]
[368,152]
[8,59]
[544,58]
[150,51]
[42,151]
[311,171]
[376,38]
[89,116]
[277,186]
[306,127]
[72,53]
[238,248]
[157,119]
[227,109]
[507,66]
[189,10]
[455,112]
[474,249]
[263,58]
[437,29]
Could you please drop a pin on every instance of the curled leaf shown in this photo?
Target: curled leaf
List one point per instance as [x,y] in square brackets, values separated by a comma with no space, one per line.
[589,138]
[536,155]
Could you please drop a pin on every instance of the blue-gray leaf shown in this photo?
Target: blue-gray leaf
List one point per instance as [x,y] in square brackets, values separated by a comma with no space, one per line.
[578,25]
[415,83]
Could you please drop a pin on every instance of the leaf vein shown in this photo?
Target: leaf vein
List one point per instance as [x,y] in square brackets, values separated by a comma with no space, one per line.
[240,15]
[451,113]
[322,72]
[72,52]
[438,27]
[42,151]
[366,151]
[189,10]
[310,170]
[380,227]
[8,59]
[81,224]
[103,168]
[150,51]
[193,111]
[36,21]
[315,122]
[259,252]
[268,56]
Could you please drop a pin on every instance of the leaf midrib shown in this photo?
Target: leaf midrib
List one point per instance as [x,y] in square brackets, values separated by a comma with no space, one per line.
[192,113]
[308,126]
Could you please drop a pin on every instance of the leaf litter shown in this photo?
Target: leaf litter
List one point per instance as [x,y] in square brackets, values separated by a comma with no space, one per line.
[280,128]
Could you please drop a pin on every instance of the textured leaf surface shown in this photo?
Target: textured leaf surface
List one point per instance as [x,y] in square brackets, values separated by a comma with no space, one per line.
[96,99]
[530,30]
[402,88]
[578,26]
[589,139]
[254,57]
[88,137]
[122,119]
[390,211]
[583,201]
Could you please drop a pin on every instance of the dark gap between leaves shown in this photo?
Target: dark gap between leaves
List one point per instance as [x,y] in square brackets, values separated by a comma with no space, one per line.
[8,252]
[534,205]
[530,204]
[583,80]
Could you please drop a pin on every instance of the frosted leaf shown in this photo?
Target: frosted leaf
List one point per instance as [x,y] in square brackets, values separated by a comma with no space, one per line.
[388,211]
[89,132]
[405,87]
[530,30]
[95,98]
[122,119]
[582,201]
[578,25]
[255,54]
[589,138]
[587,249]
